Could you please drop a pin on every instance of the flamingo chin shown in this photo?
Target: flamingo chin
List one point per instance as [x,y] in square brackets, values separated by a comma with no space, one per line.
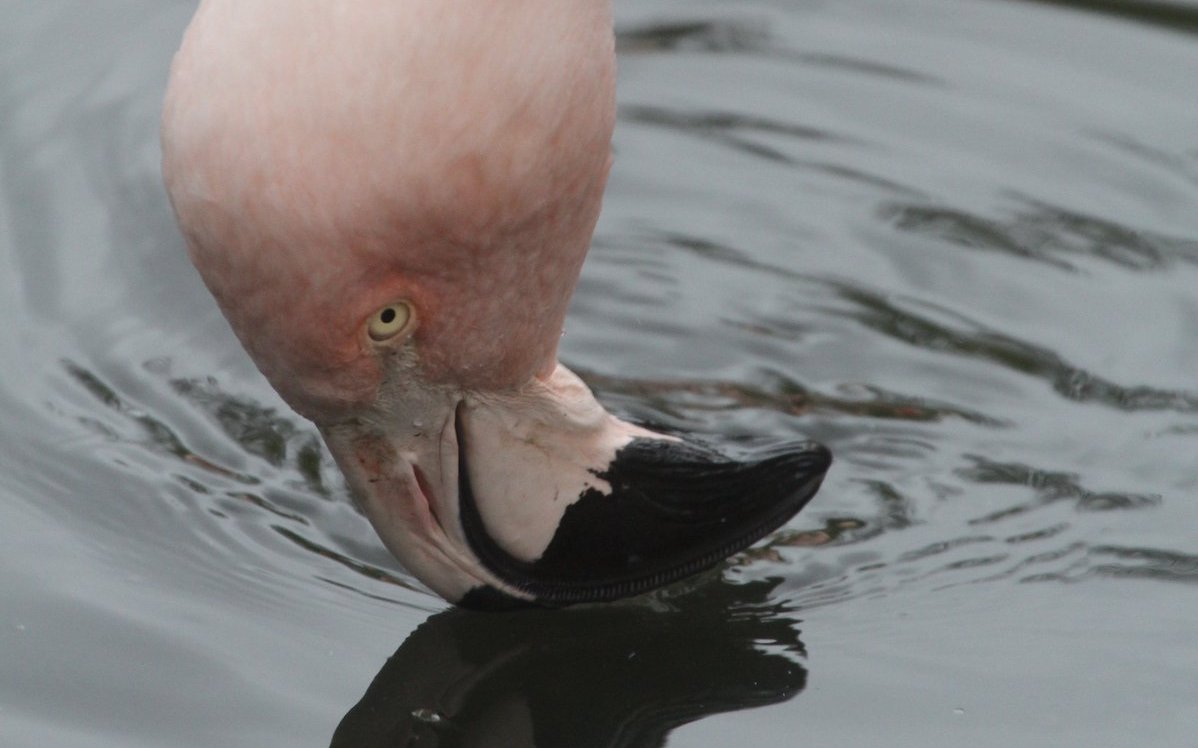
[327,161]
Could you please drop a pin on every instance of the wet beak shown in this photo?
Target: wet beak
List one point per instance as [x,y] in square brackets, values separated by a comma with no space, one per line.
[542,497]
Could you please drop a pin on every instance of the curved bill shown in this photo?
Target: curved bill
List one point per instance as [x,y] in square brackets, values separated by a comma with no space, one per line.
[673,509]
[543,498]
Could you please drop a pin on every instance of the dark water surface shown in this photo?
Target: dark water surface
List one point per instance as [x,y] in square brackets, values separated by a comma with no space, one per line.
[955,240]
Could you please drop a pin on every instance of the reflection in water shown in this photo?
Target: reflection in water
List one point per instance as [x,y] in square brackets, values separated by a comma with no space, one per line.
[620,675]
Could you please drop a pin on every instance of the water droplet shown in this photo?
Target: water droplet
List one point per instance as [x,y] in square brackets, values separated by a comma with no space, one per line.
[428,715]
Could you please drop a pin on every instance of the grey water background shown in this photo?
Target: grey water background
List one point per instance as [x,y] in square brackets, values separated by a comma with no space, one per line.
[955,240]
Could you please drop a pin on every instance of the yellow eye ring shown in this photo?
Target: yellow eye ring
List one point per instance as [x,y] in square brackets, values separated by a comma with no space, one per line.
[389,321]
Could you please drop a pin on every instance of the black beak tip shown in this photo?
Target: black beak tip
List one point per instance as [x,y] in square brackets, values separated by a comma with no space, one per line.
[807,457]
[809,463]
[674,509]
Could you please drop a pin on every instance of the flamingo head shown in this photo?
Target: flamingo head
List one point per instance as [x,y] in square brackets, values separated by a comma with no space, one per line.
[391,203]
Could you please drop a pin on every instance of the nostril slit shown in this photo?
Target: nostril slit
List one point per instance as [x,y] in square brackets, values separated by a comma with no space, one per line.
[426,492]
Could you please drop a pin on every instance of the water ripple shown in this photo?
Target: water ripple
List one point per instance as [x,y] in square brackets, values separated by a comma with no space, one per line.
[901,321]
[746,36]
[288,482]
[1149,563]
[680,400]
[715,35]
[1048,486]
[1177,16]
[731,129]
[1046,234]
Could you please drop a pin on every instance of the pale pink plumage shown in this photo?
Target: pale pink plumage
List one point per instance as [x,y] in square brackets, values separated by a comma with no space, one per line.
[324,158]
[328,159]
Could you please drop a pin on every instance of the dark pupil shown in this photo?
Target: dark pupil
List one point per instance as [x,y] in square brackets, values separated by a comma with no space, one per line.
[388,316]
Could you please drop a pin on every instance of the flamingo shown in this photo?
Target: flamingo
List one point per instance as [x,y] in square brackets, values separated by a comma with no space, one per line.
[390,201]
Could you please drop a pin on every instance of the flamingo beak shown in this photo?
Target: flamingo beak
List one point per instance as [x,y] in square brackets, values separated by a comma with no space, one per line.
[544,498]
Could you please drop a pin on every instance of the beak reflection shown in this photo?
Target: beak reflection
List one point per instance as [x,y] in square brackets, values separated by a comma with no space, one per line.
[616,676]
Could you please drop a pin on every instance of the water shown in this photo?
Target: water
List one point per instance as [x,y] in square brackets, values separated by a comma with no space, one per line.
[955,240]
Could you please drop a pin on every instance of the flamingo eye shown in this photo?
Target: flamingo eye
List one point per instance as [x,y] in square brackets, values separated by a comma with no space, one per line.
[389,321]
